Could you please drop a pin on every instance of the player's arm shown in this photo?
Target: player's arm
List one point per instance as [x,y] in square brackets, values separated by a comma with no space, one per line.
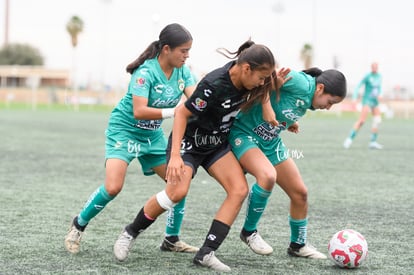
[268,113]
[175,167]
[143,111]
[357,88]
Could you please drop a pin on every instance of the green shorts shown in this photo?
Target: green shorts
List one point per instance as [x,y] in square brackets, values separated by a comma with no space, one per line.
[371,102]
[150,151]
[241,142]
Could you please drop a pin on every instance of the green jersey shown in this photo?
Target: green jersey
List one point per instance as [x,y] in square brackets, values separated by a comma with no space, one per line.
[128,138]
[295,99]
[149,81]
[251,131]
[373,89]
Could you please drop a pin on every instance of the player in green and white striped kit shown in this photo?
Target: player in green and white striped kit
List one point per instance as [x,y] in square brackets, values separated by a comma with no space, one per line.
[257,143]
[373,90]
[159,80]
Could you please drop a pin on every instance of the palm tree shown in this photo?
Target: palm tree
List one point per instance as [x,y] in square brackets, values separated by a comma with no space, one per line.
[306,54]
[74,27]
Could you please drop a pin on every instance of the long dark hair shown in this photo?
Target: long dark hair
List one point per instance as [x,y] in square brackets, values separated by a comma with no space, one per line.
[259,57]
[172,35]
[333,80]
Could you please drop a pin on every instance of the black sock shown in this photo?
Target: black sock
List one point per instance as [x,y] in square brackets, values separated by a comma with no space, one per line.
[216,235]
[76,224]
[172,239]
[139,224]
[296,245]
[247,233]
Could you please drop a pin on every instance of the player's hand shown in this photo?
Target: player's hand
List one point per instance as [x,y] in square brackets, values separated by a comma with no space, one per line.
[175,170]
[282,76]
[294,128]
[271,119]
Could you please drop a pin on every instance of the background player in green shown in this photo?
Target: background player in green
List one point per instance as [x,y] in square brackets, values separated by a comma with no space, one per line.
[199,138]
[370,102]
[159,79]
[257,143]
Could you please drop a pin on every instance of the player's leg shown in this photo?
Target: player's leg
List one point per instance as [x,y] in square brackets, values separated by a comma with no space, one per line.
[257,164]
[358,124]
[175,218]
[290,180]
[114,180]
[376,120]
[154,207]
[236,187]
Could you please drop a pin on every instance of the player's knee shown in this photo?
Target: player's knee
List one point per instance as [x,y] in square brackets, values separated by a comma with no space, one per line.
[267,179]
[113,189]
[240,192]
[376,121]
[164,201]
[301,196]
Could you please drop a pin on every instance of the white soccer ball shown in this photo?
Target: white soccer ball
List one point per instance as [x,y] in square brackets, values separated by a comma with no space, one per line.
[348,248]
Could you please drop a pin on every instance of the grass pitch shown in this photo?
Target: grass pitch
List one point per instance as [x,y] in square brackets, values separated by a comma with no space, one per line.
[53,160]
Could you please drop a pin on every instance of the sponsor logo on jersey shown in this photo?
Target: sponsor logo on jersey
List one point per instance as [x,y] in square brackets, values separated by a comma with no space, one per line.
[140,81]
[289,114]
[169,90]
[268,132]
[207,92]
[299,102]
[158,88]
[199,104]
[226,104]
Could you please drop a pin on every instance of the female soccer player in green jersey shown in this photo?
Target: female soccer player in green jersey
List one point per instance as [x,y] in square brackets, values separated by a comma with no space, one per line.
[159,79]
[199,138]
[261,152]
[370,102]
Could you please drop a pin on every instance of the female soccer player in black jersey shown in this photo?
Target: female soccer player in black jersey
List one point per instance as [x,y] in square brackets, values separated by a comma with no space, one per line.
[199,137]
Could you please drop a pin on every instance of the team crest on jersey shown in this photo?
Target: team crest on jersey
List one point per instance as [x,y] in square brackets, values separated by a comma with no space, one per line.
[140,81]
[181,84]
[237,142]
[199,104]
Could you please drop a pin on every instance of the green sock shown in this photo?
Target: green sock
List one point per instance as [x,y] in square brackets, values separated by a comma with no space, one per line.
[175,219]
[353,134]
[95,204]
[374,137]
[298,230]
[256,204]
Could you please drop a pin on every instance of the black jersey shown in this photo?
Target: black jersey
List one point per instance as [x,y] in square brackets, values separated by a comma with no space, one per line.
[214,104]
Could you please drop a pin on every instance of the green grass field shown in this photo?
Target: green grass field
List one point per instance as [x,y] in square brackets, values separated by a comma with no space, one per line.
[53,160]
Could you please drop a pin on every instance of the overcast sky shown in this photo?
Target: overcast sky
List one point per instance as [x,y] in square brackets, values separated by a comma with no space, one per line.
[355,32]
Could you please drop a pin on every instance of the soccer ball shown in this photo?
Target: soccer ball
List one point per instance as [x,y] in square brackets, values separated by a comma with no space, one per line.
[348,248]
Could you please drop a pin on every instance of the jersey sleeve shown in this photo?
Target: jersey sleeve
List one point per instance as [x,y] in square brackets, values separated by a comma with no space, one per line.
[140,83]
[200,99]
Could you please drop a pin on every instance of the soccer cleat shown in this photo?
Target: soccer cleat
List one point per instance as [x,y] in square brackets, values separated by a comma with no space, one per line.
[257,244]
[210,260]
[347,143]
[73,238]
[123,245]
[306,251]
[178,246]
[375,145]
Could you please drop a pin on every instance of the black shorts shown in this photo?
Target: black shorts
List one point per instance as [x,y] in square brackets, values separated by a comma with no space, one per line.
[195,158]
